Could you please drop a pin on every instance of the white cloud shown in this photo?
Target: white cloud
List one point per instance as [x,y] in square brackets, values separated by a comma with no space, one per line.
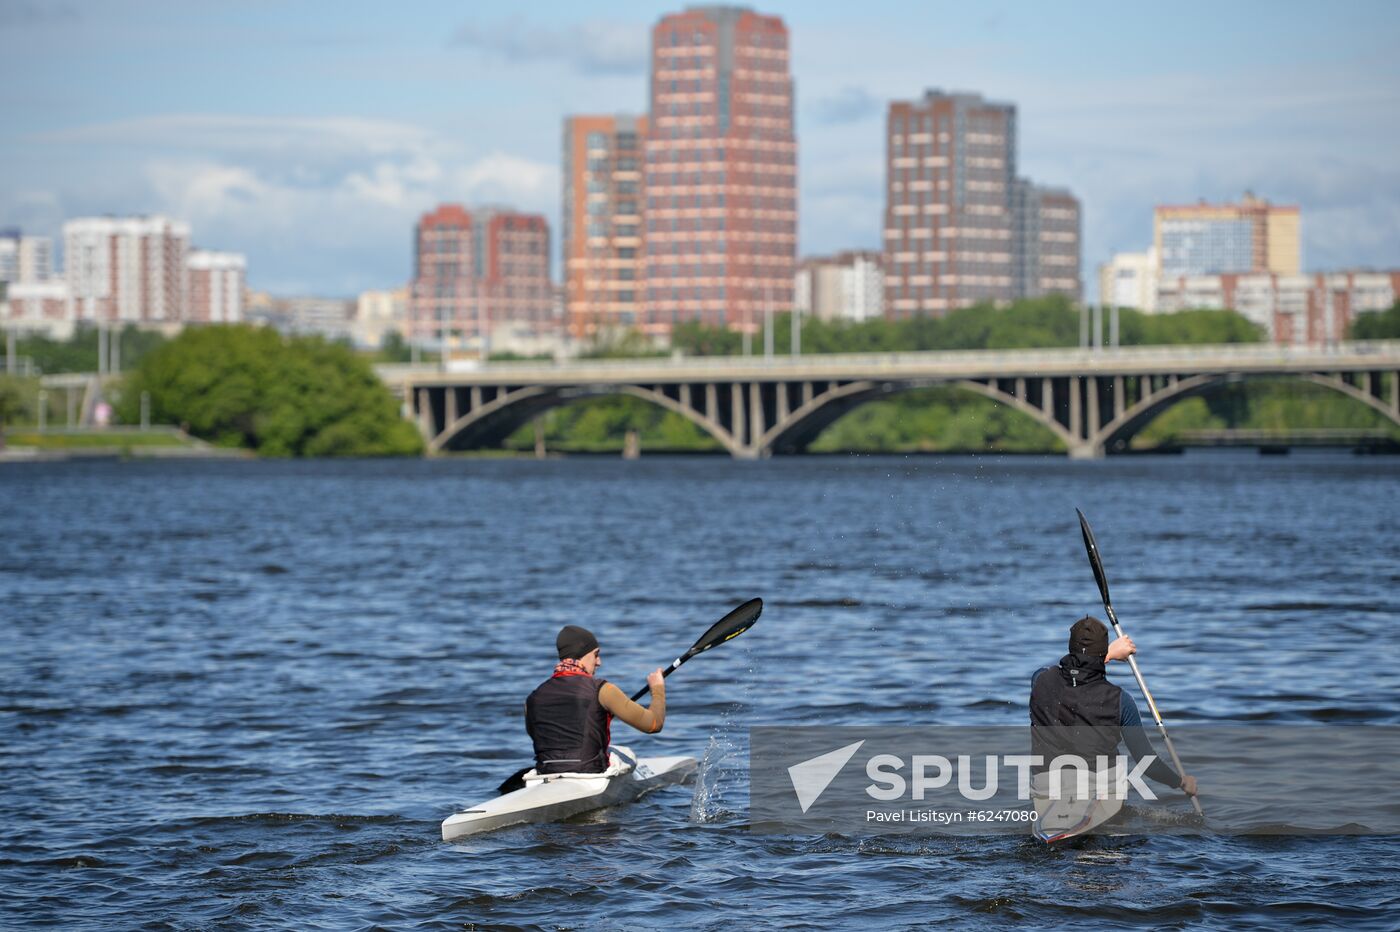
[592,47]
[232,133]
[323,203]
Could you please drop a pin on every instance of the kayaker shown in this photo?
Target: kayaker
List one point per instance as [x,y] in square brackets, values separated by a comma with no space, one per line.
[569,716]
[1078,693]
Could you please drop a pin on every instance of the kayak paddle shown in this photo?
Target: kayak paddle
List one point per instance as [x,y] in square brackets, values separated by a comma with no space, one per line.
[726,629]
[1102,580]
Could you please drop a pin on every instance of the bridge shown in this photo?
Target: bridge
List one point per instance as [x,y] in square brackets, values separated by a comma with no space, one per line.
[1376,439]
[1093,401]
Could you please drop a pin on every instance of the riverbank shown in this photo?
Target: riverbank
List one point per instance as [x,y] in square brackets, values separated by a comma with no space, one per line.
[35,446]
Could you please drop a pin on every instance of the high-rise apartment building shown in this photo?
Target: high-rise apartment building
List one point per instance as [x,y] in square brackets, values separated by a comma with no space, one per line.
[130,269]
[721,169]
[846,286]
[603,237]
[473,268]
[950,169]
[1129,279]
[25,259]
[9,255]
[1045,241]
[960,228]
[217,281]
[1227,239]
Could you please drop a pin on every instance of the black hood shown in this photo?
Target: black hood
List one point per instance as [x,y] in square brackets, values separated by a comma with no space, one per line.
[1078,670]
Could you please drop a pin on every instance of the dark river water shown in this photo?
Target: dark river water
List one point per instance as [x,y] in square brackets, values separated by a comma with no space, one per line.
[244,695]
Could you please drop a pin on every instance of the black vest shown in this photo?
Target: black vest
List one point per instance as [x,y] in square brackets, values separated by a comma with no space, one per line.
[569,726]
[1075,710]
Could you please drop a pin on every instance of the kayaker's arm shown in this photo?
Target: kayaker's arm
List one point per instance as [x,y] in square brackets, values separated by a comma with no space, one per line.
[1140,747]
[643,719]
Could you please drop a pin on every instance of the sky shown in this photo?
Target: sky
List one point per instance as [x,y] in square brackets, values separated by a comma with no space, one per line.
[311,135]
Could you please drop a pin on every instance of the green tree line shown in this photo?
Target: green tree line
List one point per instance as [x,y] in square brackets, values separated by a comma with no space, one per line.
[243,386]
[1042,322]
[252,387]
[79,353]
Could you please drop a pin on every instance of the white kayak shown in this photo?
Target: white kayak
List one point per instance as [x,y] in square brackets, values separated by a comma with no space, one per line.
[1074,813]
[557,796]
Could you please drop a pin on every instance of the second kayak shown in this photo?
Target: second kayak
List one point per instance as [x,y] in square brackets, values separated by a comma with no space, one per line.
[557,796]
[1072,813]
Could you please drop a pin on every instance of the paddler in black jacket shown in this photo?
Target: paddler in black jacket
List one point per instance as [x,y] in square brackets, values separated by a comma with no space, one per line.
[569,716]
[1080,712]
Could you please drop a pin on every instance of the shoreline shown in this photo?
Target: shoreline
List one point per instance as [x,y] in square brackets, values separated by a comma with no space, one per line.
[18,454]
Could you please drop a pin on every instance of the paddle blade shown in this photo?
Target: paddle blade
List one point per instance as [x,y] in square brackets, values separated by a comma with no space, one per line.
[1094,561]
[515,781]
[729,627]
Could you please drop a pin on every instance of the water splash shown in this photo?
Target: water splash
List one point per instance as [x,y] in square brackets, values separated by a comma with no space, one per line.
[723,766]
[707,805]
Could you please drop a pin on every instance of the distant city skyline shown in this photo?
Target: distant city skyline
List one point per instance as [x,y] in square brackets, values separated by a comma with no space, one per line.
[312,137]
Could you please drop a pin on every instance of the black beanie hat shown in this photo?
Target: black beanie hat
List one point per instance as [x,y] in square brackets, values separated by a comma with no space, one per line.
[1088,637]
[573,642]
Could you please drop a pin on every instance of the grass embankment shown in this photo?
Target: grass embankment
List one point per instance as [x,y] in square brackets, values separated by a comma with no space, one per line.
[96,439]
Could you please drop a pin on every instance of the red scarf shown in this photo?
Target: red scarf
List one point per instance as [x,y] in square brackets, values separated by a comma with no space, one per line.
[570,667]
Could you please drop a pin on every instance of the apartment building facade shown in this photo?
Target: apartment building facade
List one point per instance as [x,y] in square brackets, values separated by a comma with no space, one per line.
[846,286]
[1227,239]
[960,227]
[25,259]
[1314,308]
[473,268]
[721,169]
[602,237]
[129,269]
[217,282]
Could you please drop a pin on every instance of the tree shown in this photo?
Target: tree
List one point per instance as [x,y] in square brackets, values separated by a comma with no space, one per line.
[626,344]
[393,348]
[14,404]
[79,353]
[1376,325]
[249,387]
[1194,326]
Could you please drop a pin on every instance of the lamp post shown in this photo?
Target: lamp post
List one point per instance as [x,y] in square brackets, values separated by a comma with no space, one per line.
[768,322]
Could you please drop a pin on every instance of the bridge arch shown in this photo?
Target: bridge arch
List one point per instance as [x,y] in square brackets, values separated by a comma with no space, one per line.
[1115,435]
[795,433]
[491,422]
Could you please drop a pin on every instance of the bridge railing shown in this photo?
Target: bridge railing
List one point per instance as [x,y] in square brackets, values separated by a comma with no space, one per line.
[1386,352]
